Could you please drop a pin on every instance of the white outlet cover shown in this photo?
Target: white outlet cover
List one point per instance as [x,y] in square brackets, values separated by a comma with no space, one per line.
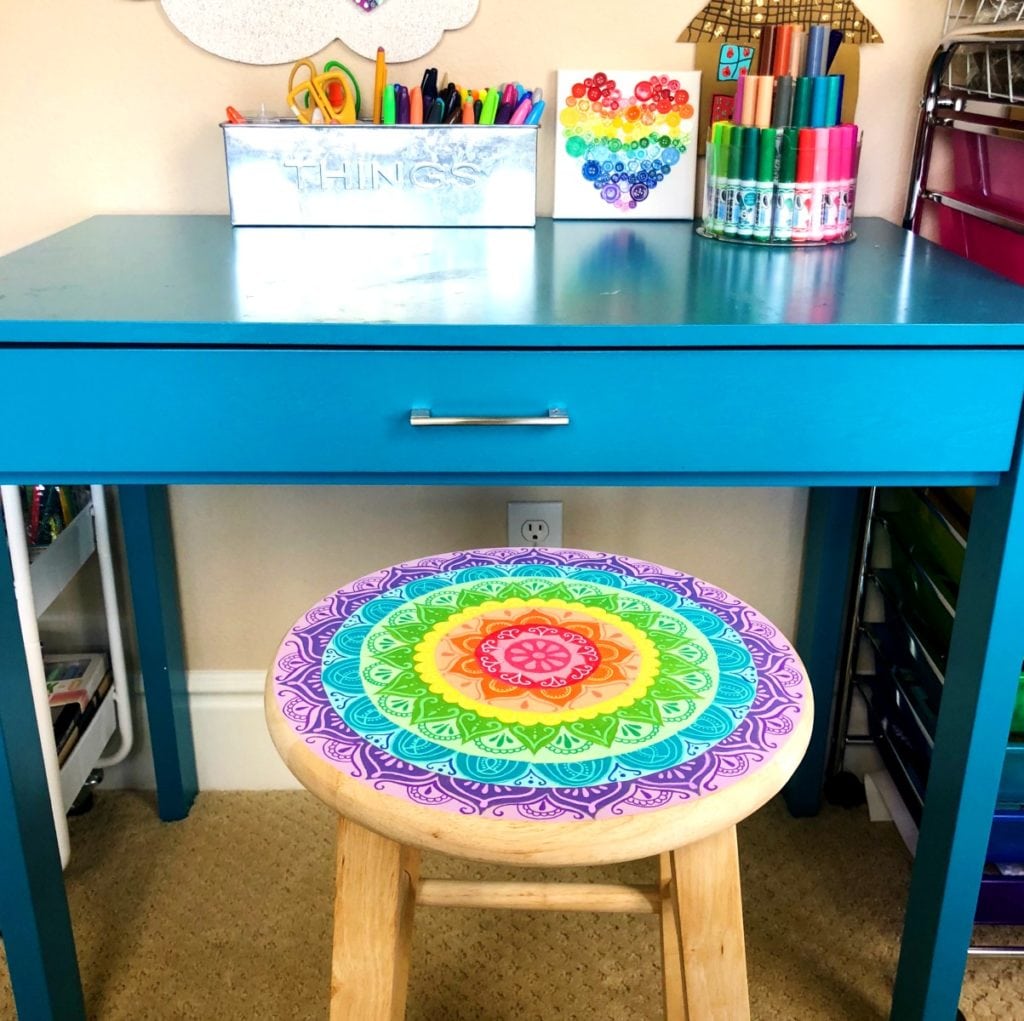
[522,511]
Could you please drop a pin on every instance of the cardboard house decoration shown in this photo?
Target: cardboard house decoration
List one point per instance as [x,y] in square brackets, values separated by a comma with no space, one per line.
[728,34]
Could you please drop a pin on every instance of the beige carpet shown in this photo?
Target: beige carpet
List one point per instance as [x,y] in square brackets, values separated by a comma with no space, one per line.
[227,916]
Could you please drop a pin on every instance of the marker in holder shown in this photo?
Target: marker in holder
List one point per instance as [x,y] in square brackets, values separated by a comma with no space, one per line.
[781,186]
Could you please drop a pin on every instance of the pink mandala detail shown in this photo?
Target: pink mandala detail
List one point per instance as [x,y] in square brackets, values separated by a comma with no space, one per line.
[537,656]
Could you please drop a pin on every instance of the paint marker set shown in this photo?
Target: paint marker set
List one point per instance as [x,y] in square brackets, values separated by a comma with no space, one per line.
[781,185]
[784,169]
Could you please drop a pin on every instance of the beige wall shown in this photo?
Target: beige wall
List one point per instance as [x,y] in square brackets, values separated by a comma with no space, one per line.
[106,108]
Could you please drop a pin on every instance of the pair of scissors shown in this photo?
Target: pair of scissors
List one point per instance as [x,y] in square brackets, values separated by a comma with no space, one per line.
[331,97]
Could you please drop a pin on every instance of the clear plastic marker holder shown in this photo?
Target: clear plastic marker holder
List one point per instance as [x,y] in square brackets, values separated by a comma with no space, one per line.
[777,213]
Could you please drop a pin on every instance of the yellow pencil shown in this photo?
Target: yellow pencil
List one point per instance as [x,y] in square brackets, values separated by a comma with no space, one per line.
[378,84]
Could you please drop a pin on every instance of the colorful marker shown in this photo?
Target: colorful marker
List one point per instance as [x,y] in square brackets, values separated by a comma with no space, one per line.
[746,198]
[737,103]
[782,111]
[847,195]
[749,110]
[818,185]
[436,115]
[804,193]
[797,53]
[833,99]
[490,107]
[730,223]
[522,111]
[388,105]
[816,42]
[832,196]
[713,174]
[763,104]
[416,105]
[819,102]
[721,168]
[379,81]
[766,152]
[802,103]
[783,47]
[785,193]
[537,112]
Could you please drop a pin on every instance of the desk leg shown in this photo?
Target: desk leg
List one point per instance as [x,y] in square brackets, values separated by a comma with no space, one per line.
[154,583]
[970,744]
[34,915]
[832,527]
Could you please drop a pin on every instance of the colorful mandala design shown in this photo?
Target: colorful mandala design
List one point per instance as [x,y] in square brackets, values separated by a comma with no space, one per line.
[539,684]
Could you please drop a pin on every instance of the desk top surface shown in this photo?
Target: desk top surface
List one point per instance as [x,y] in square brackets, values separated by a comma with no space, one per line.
[195,280]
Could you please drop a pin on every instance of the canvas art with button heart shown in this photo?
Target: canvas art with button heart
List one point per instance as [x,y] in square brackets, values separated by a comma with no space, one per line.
[626,145]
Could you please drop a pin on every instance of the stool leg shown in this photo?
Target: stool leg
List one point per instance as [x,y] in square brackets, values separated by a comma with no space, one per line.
[671,946]
[706,892]
[373,913]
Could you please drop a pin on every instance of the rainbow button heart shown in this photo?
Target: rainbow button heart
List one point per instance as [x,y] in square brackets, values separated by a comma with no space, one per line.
[626,144]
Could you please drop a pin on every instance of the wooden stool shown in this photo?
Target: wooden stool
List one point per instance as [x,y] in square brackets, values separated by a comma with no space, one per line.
[538,707]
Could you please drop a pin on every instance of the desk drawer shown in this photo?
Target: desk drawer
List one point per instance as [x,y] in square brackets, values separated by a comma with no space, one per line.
[688,415]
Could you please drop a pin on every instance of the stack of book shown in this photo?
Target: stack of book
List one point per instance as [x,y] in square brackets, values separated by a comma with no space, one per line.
[76,683]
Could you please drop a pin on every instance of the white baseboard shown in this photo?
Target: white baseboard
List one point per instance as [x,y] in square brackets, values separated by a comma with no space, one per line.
[233,749]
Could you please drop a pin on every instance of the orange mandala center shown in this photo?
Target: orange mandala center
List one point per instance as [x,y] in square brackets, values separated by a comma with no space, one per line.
[538,659]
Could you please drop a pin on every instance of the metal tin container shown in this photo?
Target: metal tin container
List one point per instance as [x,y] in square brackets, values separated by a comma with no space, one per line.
[411,175]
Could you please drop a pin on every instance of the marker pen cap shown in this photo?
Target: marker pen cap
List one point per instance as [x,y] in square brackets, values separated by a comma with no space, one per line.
[765,96]
[735,152]
[820,154]
[819,102]
[802,103]
[853,149]
[833,85]
[782,110]
[722,151]
[783,46]
[805,155]
[748,157]
[797,52]
[815,51]
[749,100]
[788,155]
[737,103]
[714,165]
[838,159]
[766,148]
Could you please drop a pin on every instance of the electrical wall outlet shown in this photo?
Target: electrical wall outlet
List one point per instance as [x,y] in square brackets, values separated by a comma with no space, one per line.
[535,524]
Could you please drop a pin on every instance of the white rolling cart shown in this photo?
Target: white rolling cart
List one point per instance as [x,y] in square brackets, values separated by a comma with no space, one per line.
[38,581]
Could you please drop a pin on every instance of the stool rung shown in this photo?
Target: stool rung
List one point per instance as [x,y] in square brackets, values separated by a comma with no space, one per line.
[616,897]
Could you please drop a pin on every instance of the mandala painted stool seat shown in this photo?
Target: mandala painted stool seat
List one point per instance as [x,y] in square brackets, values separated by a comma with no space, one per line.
[538,707]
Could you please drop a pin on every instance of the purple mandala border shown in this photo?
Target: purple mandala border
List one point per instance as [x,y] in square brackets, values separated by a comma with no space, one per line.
[780,699]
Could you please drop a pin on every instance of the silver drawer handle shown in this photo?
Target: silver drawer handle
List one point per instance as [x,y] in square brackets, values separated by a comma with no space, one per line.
[422,416]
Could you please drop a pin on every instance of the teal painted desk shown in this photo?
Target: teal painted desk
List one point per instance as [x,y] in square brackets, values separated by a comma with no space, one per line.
[268,356]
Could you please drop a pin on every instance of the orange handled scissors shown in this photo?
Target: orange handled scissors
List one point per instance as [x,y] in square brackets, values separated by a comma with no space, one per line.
[319,90]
